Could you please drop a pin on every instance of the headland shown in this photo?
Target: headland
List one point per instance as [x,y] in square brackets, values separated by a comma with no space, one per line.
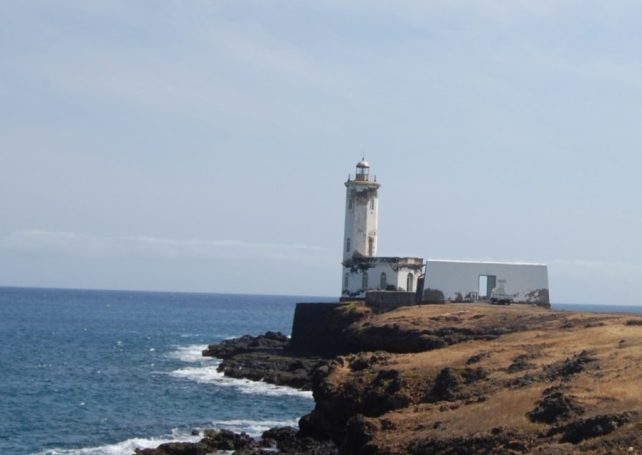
[454,379]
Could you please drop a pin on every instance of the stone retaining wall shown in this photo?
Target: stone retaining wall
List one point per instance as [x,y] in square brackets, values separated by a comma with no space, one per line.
[315,330]
[382,301]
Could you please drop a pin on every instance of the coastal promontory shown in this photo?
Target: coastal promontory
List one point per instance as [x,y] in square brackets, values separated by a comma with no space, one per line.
[464,379]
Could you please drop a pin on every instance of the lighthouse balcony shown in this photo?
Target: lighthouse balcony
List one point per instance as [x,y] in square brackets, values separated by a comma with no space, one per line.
[362,178]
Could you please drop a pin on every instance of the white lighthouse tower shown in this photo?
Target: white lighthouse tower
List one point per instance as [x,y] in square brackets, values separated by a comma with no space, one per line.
[360,233]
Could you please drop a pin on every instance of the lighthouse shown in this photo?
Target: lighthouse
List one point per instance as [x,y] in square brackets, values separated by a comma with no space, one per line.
[390,281]
[361,217]
[363,270]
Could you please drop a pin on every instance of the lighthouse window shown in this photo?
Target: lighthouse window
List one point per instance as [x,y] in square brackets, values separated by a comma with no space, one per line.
[371,204]
[364,280]
[347,245]
[345,281]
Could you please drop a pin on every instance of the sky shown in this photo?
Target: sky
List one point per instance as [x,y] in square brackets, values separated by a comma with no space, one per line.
[203,145]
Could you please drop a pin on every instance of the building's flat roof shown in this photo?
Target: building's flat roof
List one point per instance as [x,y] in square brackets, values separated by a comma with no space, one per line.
[470,261]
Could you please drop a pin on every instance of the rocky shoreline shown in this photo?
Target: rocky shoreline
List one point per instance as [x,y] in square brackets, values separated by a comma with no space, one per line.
[264,358]
[454,379]
[276,441]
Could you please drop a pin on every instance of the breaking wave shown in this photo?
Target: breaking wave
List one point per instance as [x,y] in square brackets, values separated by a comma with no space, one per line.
[190,354]
[125,447]
[206,373]
[209,375]
[253,427]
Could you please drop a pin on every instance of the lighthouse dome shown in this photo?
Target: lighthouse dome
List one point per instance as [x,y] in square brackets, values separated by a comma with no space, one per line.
[363,164]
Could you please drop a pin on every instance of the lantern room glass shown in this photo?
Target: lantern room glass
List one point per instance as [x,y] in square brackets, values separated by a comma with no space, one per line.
[362,173]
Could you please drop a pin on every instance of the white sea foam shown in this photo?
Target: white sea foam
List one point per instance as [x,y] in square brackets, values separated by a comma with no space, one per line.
[209,375]
[253,427]
[125,447]
[190,354]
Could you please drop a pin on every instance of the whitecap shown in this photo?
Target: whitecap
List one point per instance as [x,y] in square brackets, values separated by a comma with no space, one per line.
[209,375]
[126,447]
[190,354]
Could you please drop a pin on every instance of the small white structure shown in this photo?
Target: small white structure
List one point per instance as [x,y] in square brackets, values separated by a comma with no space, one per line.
[471,281]
[362,270]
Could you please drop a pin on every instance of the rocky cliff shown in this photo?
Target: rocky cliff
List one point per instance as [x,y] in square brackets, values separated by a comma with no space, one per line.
[483,379]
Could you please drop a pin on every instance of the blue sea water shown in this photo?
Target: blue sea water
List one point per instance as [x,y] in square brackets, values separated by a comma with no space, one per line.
[597,308]
[103,372]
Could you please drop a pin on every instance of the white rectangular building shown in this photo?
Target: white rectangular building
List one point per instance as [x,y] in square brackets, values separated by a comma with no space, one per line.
[471,281]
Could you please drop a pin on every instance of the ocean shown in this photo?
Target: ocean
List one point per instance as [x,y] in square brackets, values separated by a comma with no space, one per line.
[103,372]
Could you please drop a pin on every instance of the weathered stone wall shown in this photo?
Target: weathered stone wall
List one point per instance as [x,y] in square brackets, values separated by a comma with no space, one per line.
[381,301]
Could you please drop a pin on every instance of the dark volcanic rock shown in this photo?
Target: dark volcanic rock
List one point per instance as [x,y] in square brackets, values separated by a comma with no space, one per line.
[449,383]
[554,407]
[280,435]
[393,338]
[226,440]
[263,358]
[403,339]
[471,375]
[384,394]
[520,363]
[557,371]
[570,366]
[579,430]
[269,341]
[365,360]
[276,441]
[499,440]
[279,369]
[358,436]
[176,448]
[447,386]
[477,358]
[386,391]
[288,441]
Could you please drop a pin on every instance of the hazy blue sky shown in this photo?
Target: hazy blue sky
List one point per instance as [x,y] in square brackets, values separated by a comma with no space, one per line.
[203,145]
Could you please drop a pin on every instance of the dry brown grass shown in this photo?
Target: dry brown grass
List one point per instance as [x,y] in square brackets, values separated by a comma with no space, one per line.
[612,383]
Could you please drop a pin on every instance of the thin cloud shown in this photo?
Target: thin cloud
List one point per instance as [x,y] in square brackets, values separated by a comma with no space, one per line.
[70,244]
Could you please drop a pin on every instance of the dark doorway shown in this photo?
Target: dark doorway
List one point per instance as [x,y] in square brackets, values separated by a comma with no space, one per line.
[409,282]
